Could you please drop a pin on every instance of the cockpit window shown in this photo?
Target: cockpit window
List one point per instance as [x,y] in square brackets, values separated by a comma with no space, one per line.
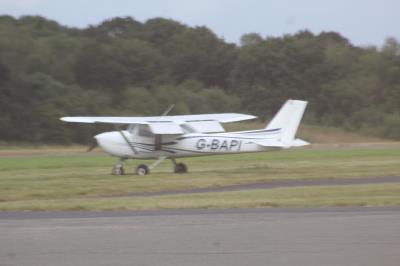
[187,129]
[144,131]
[131,128]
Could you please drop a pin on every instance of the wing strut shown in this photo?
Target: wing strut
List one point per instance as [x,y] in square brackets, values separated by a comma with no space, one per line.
[159,160]
[126,139]
[158,137]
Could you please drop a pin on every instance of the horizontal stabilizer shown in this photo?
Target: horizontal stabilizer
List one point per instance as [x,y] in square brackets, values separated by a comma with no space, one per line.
[300,143]
[274,143]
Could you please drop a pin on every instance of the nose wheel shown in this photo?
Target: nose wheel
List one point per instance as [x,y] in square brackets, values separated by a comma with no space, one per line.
[118,169]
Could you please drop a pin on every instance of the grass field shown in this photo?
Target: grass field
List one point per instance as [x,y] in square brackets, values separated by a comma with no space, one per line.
[360,195]
[66,179]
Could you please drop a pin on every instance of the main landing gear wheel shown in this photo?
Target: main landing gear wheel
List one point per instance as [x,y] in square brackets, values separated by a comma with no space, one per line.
[118,170]
[180,168]
[142,170]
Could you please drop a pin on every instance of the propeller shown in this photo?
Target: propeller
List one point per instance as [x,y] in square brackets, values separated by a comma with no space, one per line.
[92,146]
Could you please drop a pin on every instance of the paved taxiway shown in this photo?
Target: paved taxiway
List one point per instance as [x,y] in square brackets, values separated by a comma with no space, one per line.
[333,236]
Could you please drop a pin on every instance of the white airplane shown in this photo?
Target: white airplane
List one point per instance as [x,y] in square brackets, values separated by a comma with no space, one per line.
[170,137]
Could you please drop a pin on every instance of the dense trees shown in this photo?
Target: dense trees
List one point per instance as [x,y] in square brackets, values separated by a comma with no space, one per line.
[125,67]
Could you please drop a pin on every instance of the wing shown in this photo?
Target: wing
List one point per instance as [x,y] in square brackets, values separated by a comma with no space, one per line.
[178,119]
[206,123]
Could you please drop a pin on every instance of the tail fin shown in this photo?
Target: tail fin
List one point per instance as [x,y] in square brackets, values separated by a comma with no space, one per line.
[288,119]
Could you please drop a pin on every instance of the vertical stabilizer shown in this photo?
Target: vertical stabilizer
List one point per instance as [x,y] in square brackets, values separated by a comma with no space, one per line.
[288,119]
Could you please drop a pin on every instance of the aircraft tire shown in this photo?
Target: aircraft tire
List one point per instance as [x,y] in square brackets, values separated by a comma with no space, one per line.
[180,168]
[118,170]
[142,170]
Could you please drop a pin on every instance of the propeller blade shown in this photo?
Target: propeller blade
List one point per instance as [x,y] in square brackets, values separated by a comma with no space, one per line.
[92,146]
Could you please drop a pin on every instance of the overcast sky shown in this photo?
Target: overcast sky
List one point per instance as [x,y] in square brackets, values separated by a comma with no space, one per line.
[364,22]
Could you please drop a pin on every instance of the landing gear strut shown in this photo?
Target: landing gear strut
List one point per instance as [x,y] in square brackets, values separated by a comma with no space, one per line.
[143,169]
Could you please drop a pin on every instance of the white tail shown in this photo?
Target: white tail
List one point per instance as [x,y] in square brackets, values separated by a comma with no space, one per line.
[288,119]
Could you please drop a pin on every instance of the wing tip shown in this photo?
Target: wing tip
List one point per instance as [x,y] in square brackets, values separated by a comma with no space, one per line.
[238,117]
[77,119]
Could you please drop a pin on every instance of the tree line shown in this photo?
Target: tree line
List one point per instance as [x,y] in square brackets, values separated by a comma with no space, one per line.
[126,67]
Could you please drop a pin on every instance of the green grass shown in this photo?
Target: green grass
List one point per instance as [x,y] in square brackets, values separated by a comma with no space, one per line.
[360,195]
[79,181]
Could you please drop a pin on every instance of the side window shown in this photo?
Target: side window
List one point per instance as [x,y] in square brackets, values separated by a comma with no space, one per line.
[144,131]
[187,129]
[132,129]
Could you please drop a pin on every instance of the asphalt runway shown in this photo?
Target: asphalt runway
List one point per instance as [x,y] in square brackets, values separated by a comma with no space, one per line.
[331,236]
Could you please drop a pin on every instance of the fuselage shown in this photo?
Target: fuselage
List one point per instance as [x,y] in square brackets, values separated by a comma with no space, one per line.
[175,146]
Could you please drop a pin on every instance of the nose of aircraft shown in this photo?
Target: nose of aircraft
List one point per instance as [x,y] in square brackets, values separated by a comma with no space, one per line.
[108,141]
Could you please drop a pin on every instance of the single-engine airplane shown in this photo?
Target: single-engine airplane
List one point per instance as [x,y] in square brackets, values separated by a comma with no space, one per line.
[170,137]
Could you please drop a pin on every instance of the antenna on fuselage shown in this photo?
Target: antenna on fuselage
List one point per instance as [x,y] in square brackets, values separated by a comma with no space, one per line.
[166,112]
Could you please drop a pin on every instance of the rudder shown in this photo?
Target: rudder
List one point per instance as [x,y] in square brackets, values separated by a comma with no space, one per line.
[288,120]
